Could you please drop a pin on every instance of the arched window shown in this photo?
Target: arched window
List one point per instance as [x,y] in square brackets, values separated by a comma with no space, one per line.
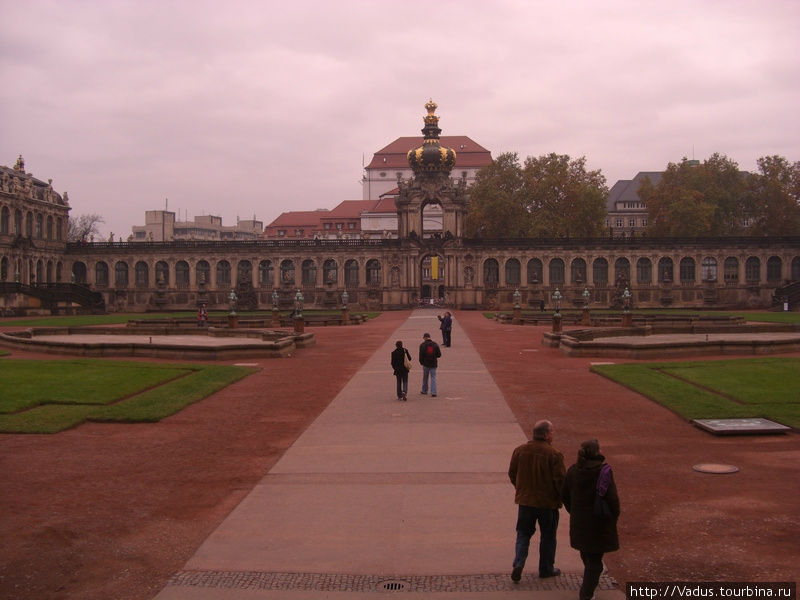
[49,227]
[223,274]
[79,272]
[141,274]
[330,271]
[373,272]
[666,270]
[49,271]
[600,271]
[622,270]
[513,272]
[708,269]
[730,270]
[244,272]
[4,269]
[351,273]
[774,269]
[29,224]
[752,270]
[101,274]
[59,229]
[265,273]
[5,221]
[644,271]
[535,271]
[796,268]
[309,275]
[40,272]
[162,273]
[491,272]
[18,222]
[182,274]
[578,271]
[287,272]
[59,268]
[202,272]
[121,274]
[39,226]
[686,270]
[556,272]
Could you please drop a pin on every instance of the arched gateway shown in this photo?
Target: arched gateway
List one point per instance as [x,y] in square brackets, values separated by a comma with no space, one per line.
[430,258]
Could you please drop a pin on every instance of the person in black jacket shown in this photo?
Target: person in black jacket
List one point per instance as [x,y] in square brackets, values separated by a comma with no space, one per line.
[590,497]
[446,327]
[399,354]
[429,354]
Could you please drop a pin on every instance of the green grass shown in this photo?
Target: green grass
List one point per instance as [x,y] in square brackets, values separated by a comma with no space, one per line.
[758,387]
[47,396]
[121,318]
[756,316]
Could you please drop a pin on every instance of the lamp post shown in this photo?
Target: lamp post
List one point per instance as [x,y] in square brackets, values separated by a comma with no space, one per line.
[345,310]
[233,318]
[517,320]
[276,315]
[299,324]
[557,314]
[586,320]
[627,317]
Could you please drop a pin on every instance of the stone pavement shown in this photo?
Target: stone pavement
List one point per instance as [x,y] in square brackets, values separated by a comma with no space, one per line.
[379,496]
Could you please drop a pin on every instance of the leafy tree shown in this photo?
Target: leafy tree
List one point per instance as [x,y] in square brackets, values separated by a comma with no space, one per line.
[694,199]
[563,198]
[551,195]
[82,227]
[497,208]
[774,197]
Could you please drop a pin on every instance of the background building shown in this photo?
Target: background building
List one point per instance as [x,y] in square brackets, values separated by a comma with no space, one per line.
[162,226]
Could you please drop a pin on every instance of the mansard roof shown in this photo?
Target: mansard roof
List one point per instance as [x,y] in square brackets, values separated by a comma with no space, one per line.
[627,190]
[395,156]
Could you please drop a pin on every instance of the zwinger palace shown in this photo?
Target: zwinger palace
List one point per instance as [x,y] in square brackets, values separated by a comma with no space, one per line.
[39,269]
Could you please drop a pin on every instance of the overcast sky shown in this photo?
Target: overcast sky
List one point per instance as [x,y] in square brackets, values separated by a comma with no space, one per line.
[253,108]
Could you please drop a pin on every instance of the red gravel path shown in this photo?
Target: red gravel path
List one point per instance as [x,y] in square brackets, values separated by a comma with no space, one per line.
[111,511]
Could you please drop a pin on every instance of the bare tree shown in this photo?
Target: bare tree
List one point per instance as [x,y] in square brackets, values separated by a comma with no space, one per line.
[82,227]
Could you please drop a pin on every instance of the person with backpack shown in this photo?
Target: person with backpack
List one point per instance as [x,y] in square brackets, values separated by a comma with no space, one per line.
[590,497]
[429,354]
[401,363]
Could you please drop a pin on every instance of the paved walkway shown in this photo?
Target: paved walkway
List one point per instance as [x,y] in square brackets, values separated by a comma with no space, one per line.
[384,496]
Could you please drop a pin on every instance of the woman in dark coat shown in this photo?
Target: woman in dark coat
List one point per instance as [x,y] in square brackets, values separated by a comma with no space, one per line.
[399,355]
[590,531]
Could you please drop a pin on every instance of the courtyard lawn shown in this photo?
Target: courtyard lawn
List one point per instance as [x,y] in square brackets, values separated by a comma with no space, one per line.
[122,318]
[47,396]
[757,387]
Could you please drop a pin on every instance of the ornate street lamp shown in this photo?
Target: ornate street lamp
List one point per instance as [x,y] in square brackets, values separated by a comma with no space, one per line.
[585,297]
[345,298]
[557,301]
[517,298]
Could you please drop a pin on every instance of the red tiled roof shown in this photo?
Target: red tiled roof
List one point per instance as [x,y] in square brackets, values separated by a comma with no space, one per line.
[300,218]
[468,152]
[349,209]
[385,205]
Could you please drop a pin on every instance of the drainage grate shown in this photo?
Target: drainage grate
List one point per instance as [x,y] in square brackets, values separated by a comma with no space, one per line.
[393,586]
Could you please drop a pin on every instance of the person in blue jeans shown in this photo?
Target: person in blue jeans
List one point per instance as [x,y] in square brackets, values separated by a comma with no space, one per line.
[537,471]
[399,354]
[429,354]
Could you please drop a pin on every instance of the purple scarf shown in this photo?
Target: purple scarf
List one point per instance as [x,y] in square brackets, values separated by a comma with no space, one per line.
[603,480]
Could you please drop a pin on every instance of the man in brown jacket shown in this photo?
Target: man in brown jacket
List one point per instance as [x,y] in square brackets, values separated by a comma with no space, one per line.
[537,471]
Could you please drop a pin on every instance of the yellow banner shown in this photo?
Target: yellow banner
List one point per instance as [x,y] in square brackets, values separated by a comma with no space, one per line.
[434,267]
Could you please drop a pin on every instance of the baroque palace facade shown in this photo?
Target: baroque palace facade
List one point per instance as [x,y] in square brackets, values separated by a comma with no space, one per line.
[414,268]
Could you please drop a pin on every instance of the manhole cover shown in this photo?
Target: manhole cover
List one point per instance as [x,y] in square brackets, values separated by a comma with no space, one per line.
[716,468]
[393,585]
